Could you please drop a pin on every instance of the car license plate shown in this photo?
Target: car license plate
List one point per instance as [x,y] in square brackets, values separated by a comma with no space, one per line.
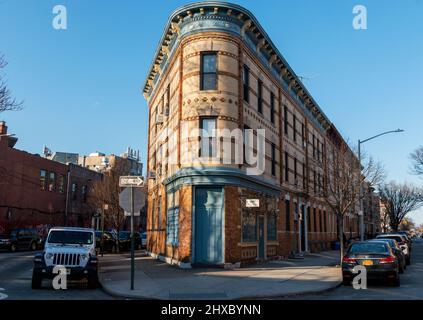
[367,263]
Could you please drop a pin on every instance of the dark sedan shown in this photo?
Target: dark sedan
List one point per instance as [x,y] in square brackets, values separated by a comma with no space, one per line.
[125,239]
[378,259]
[397,251]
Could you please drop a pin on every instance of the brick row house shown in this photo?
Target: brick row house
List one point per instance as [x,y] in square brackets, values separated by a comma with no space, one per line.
[217,69]
[36,192]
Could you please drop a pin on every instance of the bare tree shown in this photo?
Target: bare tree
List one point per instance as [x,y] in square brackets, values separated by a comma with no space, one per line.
[7,102]
[107,192]
[417,161]
[342,188]
[399,200]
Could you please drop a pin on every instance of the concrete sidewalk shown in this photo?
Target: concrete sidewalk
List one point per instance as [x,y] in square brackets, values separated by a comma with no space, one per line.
[157,280]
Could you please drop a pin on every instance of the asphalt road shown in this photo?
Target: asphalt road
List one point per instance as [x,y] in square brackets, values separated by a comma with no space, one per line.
[15,282]
[411,284]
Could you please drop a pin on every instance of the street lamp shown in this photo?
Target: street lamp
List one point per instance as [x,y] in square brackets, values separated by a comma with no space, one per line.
[360,142]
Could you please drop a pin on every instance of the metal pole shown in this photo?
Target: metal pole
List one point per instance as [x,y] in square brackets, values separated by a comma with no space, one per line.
[132,239]
[361,213]
[102,231]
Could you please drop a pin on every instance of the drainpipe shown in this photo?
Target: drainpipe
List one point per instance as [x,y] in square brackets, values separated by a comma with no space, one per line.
[67,197]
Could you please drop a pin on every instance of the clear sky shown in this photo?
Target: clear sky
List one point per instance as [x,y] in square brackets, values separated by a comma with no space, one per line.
[82,86]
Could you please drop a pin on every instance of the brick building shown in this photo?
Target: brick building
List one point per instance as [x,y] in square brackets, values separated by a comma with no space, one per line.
[216,68]
[38,192]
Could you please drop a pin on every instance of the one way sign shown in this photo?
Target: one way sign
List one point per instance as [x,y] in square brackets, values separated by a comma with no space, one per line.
[131,181]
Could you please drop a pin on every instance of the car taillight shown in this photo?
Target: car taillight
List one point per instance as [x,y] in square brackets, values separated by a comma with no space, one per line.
[387,260]
[345,259]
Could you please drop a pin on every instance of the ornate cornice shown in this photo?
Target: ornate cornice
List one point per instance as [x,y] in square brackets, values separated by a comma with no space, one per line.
[234,19]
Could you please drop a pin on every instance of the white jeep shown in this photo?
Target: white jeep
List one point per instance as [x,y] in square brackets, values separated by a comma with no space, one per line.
[72,248]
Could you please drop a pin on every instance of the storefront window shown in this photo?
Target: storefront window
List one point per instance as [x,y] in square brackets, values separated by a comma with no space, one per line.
[272,226]
[249,226]
[172,227]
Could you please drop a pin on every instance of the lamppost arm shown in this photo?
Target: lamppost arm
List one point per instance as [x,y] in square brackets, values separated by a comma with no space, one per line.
[380,134]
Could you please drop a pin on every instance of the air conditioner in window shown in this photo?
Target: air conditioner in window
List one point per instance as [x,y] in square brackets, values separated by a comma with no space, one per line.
[151,175]
[296,182]
[304,144]
[166,111]
[159,119]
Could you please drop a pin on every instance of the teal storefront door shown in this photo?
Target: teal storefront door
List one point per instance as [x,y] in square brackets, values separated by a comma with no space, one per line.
[261,237]
[208,232]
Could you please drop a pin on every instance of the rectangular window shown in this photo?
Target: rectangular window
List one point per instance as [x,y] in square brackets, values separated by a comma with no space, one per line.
[52,181]
[286,167]
[295,128]
[272,226]
[74,190]
[272,107]
[159,213]
[172,229]
[287,216]
[308,219]
[325,221]
[260,96]
[62,183]
[285,119]
[314,182]
[84,193]
[302,133]
[314,146]
[304,176]
[246,84]
[43,176]
[208,77]
[273,160]
[249,226]
[153,215]
[320,221]
[208,140]
[315,219]
[295,170]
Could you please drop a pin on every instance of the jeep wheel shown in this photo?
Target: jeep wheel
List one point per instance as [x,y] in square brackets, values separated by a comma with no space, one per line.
[93,281]
[37,279]
[33,246]
[408,261]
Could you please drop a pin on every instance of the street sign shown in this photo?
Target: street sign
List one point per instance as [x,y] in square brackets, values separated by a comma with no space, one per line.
[252,203]
[131,181]
[125,200]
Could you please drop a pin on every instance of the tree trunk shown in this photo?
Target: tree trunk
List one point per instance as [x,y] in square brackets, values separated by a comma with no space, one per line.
[340,223]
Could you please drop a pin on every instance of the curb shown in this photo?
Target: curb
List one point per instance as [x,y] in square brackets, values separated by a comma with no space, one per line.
[113,293]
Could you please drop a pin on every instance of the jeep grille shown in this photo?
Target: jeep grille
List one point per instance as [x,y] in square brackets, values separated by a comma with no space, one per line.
[66,259]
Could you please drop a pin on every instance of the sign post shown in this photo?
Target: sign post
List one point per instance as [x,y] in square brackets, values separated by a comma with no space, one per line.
[134,203]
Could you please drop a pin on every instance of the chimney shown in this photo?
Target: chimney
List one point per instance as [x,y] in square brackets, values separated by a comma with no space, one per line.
[3,127]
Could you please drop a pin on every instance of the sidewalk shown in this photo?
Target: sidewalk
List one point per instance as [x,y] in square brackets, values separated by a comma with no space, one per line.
[157,280]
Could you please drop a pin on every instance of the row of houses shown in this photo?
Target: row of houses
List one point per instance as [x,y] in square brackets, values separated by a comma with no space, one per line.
[216,69]
[54,189]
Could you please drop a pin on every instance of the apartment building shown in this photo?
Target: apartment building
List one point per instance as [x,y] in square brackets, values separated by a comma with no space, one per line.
[36,192]
[216,69]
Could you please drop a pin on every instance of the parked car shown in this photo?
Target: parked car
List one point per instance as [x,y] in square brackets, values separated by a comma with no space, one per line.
[72,248]
[407,237]
[144,239]
[21,239]
[401,242]
[378,259]
[397,250]
[109,241]
[125,240]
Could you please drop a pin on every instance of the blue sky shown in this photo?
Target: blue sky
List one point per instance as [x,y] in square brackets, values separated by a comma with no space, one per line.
[82,86]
